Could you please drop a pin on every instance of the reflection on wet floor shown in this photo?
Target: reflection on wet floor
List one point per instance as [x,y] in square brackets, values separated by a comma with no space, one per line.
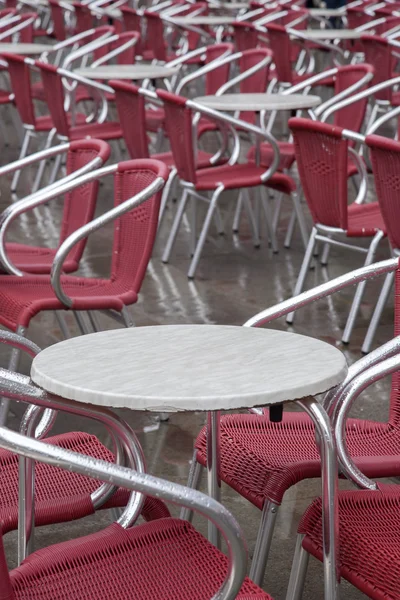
[234,281]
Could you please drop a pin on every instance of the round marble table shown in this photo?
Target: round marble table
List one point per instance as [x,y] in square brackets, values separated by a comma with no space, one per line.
[259,102]
[25,49]
[326,34]
[175,368]
[131,72]
[212,21]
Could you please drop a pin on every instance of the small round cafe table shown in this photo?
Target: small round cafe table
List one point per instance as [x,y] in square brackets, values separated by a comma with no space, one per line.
[175,368]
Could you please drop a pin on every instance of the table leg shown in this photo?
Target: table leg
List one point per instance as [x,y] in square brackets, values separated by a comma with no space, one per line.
[213,479]
[330,513]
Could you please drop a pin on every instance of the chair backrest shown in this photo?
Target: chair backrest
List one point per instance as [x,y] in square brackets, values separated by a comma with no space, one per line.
[352,116]
[79,204]
[54,95]
[220,75]
[245,35]
[281,47]
[389,23]
[178,124]
[20,77]
[99,32]
[135,232]
[132,117]
[257,82]
[132,22]
[356,17]
[57,16]
[155,35]
[128,56]
[385,159]
[378,53]
[321,155]
[386,11]
[25,35]
[84,17]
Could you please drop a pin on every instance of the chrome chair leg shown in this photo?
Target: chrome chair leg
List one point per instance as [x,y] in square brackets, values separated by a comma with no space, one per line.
[290,230]
[277,211]
[165,195]
[252,219]
[193,225]
[303,270]
[382,300]
[12,366]
[263,543]
[204,232]
[360,289]
[269,219]
[24,151]
[238,214]
[299,214]
[298,572]
[175,227]
[194,479]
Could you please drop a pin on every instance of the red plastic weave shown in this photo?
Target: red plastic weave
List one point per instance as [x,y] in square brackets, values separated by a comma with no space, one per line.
[378,53]
[62,496]
[57,17]
[369,547]
[23,297]
[217,77]
[385,158]
[245,35]
[256,83]
[21,86]
[132,22]
[166,559]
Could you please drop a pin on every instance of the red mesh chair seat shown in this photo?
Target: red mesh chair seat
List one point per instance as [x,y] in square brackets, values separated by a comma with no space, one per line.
[110,130]
[164,559]
[286,150]
[35,259]
[364,220]
[61,496]
[23,297]
[46,123]
[369,547]
[155,119]
[261,460]
[242,175]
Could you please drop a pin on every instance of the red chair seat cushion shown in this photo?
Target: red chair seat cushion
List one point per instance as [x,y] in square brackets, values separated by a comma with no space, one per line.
[242,175]
[45,123]
[110,130]
[261,460]
[21,298]
[369,547]
[61,496]
[167,558]
[364,220]
[35,259]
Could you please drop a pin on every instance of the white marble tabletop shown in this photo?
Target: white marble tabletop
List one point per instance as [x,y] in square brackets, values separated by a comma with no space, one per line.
[172,368]
[257,102]
[139,71]
[211,20]
[21,48]
[327,34]
[327,12]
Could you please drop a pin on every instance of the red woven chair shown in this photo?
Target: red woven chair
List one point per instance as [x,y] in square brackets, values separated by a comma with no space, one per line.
[78,208]
[165,559]
[178,114]
[24,28]
[60,30]
[135,182]
[132,21]
[130,102]
[322,161]
[369,545]
[385,159]
[261,459]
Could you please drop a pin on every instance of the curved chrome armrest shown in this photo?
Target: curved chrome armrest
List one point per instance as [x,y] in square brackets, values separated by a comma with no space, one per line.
[17,28]
[323,290]
[144,484]
[332,103]
[310,81]
[260,23]
[99,90]
[370,24]
[33,158]
[89,228]
[350,394]
[369,92]
[225,58]
[243,126]
[242,76]
[87,48]
[300,35]
[116,52]
[19,387]
[58,188]
[395,112]
[70,41]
